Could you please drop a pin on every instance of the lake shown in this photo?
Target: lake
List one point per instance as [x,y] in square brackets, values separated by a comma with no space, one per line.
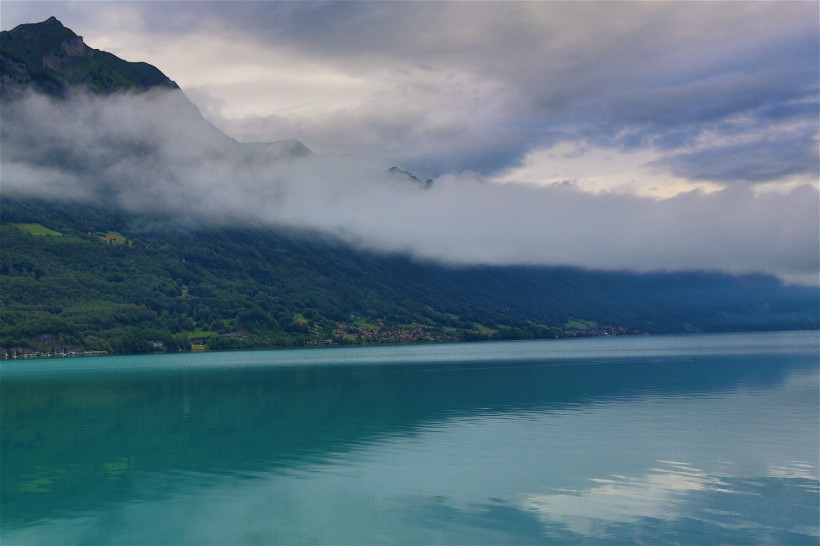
[697,439]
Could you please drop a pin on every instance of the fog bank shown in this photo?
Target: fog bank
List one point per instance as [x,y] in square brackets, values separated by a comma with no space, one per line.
[155,153]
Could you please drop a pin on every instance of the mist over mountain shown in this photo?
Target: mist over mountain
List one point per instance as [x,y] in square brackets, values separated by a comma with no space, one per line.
[152,151]
[86,132]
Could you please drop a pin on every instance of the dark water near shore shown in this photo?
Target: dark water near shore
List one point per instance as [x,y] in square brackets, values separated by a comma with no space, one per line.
[690,439]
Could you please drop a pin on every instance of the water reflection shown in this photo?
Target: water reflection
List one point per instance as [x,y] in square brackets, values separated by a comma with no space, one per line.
[678,500]
[617,498]
[499,451]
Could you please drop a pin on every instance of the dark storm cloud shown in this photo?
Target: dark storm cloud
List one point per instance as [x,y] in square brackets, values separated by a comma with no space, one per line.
[773,157]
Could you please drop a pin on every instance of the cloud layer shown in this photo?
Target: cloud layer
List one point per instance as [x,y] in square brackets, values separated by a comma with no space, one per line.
[154,153]
[719,93]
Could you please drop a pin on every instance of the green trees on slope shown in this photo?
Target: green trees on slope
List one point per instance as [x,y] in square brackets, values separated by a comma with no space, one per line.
[171,288]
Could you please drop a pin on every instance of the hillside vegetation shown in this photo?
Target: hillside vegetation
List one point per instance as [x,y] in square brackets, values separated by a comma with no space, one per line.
[78,278]
[127,284]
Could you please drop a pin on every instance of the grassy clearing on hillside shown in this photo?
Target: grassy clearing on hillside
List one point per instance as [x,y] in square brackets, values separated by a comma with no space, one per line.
[580,324]
[364,325]
[38,229]
[201,334]
[299,319]
[483,329]
[115,238]
[412,325]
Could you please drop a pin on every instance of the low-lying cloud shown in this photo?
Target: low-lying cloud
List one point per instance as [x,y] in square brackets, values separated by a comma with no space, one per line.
[443,87]
[154,153]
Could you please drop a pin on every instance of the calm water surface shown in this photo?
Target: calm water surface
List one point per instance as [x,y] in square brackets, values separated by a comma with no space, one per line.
[691,439]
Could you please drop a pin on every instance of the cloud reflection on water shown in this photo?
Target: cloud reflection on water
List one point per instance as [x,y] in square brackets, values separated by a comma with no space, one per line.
[708,450]
[659,494]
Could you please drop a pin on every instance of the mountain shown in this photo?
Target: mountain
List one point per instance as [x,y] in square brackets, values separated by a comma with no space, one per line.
[401,175]
[279,149]
[119,252]
[80,277]
[51,58]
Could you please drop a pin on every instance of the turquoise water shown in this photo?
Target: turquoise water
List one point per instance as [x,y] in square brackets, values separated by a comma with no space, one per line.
[688,439]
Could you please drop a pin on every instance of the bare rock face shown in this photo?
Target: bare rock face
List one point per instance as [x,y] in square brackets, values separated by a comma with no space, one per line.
[75,47]
[13,73]
[70,50]
[405,176]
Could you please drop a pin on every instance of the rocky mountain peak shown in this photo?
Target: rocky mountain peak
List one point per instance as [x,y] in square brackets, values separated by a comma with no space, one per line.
[48,32]
[399,174]
[51,58]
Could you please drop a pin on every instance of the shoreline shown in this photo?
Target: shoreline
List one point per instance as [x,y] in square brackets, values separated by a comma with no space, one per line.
[5,357]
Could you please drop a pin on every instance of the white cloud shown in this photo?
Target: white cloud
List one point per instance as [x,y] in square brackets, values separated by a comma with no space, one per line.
[646,109]
[659,494]
[154,152]
[600,170]
[452,87]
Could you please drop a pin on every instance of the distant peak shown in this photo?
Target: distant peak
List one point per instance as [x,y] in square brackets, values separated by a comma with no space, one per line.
[405,175]
[51,22]
[48,29]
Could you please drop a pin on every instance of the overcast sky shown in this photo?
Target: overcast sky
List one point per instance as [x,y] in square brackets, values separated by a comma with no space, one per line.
[641,109]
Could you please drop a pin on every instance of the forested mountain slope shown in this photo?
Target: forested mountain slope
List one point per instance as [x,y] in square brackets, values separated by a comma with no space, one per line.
[79,277]
[125,229]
